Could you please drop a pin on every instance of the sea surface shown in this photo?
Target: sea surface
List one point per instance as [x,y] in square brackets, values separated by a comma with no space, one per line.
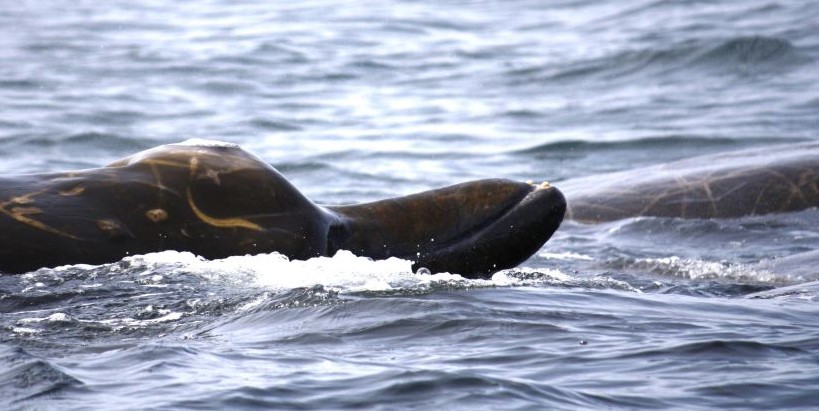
[361,100]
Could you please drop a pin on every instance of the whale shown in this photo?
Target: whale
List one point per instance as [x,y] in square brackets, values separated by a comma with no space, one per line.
[217,200]
[756,181]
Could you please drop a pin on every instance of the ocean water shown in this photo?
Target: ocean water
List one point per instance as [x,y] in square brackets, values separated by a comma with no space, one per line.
[357,101]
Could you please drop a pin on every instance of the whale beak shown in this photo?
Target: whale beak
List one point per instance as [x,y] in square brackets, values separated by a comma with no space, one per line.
[528,216]
[473,229]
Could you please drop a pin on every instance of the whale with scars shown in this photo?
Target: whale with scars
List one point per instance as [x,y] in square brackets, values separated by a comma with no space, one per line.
[763,180]
[217,200]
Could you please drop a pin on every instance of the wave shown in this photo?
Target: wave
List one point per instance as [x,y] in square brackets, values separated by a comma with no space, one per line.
[175,292]
[25,377]
[344,272]
[751,50]
[150,294]
[59,151]
[723,350]
[271,125]
[697,269]
[96,140]
[671,142]
[744,55]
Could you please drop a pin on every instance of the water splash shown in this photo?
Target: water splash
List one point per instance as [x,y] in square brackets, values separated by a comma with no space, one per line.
[703,270]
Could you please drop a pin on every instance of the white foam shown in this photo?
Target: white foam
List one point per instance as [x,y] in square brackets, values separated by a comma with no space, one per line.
[565,256]
[24,330]
[695,269]
[202,142]
[120,323]
[55,317]
[344,272]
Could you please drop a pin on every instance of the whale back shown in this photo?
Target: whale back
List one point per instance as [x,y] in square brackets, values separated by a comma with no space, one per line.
[214,200]
[750,182]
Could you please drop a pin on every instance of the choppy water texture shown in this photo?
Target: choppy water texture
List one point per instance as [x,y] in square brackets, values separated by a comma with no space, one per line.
[356,101]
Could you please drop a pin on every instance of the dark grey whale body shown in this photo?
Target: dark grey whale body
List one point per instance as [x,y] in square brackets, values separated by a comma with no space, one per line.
[217,200]
[758,181]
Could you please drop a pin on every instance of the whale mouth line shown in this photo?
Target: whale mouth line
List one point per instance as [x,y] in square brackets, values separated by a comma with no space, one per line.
[489,222]
[525,224]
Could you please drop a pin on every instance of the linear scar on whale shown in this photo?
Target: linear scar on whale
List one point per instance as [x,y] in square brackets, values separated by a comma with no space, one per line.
[764,180]
[217,200]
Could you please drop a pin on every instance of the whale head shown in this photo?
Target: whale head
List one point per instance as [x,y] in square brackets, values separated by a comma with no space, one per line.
[473,229]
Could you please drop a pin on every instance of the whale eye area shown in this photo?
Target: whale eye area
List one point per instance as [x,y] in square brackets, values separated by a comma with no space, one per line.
[157,215]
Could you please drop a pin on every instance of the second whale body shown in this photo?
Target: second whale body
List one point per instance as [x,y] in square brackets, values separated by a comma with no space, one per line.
[764,180]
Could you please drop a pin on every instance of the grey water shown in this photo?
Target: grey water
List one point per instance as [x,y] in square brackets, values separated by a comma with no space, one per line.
[357,101]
